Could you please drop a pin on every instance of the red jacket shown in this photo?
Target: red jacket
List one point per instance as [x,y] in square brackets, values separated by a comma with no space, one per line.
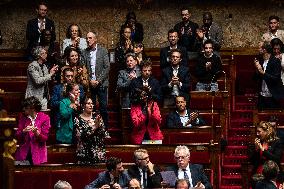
[140,127]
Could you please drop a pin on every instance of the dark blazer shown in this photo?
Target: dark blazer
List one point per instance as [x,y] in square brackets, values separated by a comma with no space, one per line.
[183,75]
[274,153]
[104,178]
[197,174]
[173,120]
[265,184]
[33,34]
[165,57]
[153,181]
[272,77]
[102,64]
[155,92]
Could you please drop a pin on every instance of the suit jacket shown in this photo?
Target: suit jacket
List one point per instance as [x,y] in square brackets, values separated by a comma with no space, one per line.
[102,64]
[272,77]
[153,181]
[104,178]
[197,174]
[183,75]
[173,120]
[28,141]
[265,184]
[155,92]
[165,57]
[38,78]
[33,34]
[215,33]
[274,153]
[123,83]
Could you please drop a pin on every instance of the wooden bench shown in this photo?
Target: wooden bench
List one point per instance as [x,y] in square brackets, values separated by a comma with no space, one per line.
[13,68]
[13,83]
[202,153]
[12,101]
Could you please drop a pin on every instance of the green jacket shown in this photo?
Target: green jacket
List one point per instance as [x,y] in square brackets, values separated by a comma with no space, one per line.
[64,133]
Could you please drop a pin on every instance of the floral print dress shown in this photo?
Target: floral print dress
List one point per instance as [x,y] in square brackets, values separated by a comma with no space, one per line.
[90,142]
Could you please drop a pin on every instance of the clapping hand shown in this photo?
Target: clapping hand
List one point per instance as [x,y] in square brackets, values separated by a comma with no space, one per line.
[175,81]
[27,129]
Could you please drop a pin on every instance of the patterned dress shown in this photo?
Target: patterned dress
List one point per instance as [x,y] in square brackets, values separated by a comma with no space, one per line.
[90,142]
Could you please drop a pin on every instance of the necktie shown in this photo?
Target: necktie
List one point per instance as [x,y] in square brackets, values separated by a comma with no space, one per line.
[185,175]
[144,179]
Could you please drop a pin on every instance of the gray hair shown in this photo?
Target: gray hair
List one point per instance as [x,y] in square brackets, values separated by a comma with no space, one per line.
[61,184]
[182,148]
[36,52]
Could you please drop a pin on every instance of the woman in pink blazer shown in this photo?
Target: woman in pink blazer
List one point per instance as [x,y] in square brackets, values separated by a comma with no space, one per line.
[32,133]
[146,119]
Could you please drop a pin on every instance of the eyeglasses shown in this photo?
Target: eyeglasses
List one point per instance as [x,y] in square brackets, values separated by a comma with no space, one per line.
[145,158]
[180,157]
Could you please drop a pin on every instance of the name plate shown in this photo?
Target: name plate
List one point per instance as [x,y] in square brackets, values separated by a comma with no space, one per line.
[152,142]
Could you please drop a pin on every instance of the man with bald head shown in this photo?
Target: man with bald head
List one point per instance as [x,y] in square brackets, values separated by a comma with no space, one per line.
[96,60]
[212,31]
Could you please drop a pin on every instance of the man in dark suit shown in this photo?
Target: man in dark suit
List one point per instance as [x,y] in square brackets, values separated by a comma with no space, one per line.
[182,117]
[146,82]
[96,60]
[194,173]
[165,52]
[144,170]
[36,26]
[268,73]
[175,79]
[187,33]
[114,177]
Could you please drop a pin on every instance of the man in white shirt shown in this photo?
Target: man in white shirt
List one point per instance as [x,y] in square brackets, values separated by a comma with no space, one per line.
[96,60]
[274,32]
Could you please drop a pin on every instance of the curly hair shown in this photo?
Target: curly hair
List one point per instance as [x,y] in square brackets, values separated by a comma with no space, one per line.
[271,133]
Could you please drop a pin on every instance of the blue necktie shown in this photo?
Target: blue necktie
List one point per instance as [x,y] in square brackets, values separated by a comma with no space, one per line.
[185,175]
